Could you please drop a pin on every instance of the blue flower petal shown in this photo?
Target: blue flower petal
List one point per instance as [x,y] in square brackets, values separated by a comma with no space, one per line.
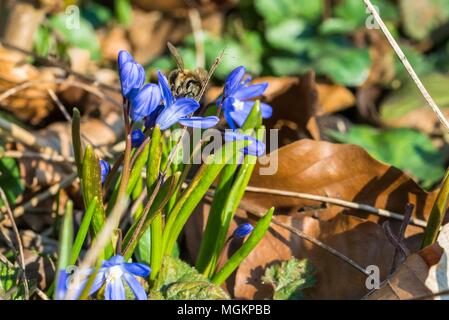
[251,91]
[135,286]
[150,120]
[61,286]
[243,230]
[173,113]
[137,269]
[145,101]
[255,148]
[266,109]
[114,261]
[132,76]
[137,138]
[98,281]
[104,170]
[124,57]
[167,96]
[115,290]
[200,122]
[233,81]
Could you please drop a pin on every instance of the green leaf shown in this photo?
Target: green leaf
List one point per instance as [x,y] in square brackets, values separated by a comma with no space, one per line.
[408,98]
[344,65]
[253,240]
[289,278]
[83,36]
[123,11]
[11,288]
[437,214]
[97,14]
[285,35]
[420,18]
[10,178]
[92,186]
[178,281]
[406,149]
[352,11]
[196,190]
[83,230]
[275,11]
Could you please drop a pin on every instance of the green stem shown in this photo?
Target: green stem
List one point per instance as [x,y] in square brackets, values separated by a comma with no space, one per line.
[256,235]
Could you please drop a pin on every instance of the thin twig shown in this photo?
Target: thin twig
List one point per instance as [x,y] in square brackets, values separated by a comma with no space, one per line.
[41,294]
[195,22]
[35,155]
[338,202]
[407,65]
[53,190]
[19,242]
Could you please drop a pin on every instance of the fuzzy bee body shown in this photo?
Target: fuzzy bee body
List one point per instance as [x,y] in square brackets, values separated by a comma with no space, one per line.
[188,83]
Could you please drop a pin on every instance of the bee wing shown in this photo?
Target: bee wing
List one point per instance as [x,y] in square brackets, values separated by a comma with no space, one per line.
[175,53]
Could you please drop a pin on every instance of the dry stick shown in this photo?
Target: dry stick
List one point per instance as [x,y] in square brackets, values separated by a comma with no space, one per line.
[35,155]
[338,202]
[195,22]
[407,65]
[19,242]
[53,190]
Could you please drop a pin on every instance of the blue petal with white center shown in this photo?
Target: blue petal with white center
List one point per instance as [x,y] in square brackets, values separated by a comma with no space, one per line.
[178,110]
[237,98]
[115,271]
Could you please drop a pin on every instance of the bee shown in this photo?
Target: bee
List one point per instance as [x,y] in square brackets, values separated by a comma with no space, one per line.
[189,83]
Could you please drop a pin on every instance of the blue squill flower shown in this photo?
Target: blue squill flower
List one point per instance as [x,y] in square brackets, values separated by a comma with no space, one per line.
[137,138]
[144,101]
[115,272]
[104,170]
[237,98]
[255,148]
[131,74]
[243,230]
[177,110]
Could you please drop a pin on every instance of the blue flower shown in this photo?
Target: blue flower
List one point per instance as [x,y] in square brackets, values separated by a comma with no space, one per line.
[137,138]
[104,170]
[114,272]
[255,148]
[243,230]
[237,98]
[145,101]
[177,110]
[131,74]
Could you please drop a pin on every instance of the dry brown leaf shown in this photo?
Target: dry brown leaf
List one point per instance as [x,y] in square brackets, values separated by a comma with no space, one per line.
[362,241]
[408,281]
[31,104]
[334,98]
[339,171]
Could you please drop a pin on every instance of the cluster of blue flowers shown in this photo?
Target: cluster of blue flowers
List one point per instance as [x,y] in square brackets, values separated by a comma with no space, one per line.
[155,105]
